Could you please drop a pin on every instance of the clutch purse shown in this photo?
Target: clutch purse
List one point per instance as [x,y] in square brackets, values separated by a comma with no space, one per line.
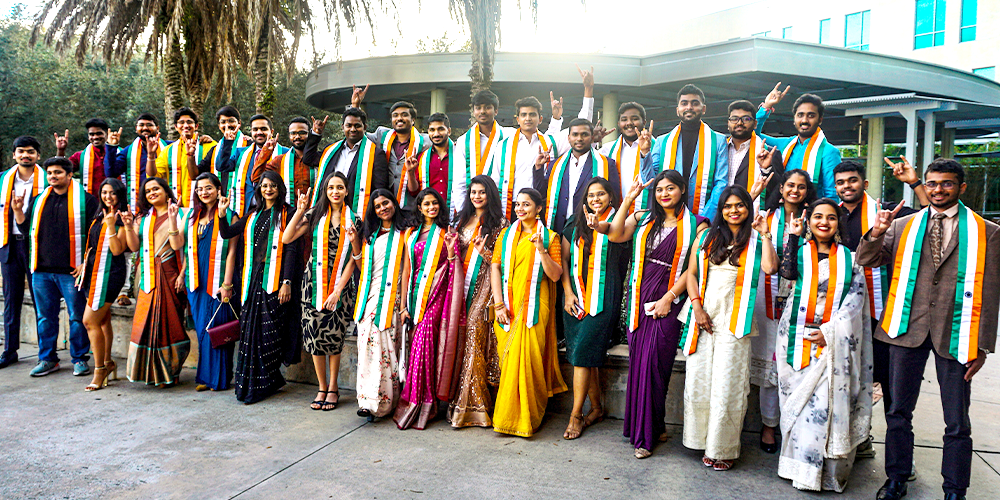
[226,333]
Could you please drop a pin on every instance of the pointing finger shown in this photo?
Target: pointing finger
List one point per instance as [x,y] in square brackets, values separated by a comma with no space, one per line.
[552,96]
[580,70]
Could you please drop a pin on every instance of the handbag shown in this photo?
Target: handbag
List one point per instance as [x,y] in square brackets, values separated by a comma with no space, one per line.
[226,333]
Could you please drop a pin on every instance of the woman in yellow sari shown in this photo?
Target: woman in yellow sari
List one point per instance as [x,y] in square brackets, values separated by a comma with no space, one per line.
[525,272]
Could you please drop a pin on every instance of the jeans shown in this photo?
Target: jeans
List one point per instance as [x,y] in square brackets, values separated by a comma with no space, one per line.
[47,289]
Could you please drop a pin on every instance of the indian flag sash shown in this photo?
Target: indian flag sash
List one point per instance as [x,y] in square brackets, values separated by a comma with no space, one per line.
[473,262]
[275,250]
[422,277]
[362,177]
[89,163]
[642,202]
[704,167]
[776,223]
[753,170]
[599,167]
[288,175]
[387,282]
[424,175]
[803,307]
[40,181]
[133,159]
[875,278]
[147,253]
[812,160]
[218,252]
[76,207]
[504,167]
[587,273]
[326,273]
[415,146]
[689,336]
[474,149]
[508,246]
[237,181]
[687,231]
[98,294]
[174,153]
[241,141]
[971,253]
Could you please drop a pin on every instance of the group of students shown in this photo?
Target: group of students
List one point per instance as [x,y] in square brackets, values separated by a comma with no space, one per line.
[459,264]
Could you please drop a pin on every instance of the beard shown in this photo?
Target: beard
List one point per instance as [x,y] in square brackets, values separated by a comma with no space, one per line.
[742,135]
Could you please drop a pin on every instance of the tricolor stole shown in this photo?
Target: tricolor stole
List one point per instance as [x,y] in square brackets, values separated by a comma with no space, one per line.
[89,164]
[387,282]
[40,181]
[218,252]
[875,278]
[599,167]
[241,141]
[473,262]
[76,207]
[508,246]
[414,147]
[971,252]
[506,167]
[133,160]
[776,224]
[473,148]
[147,253]
[803,307]
[587,274]
[687,231]
[237,186]
[275,250]
[642,201]
[704,158]
[753,170]
[98,295]
[424,175]
[812,161]
[689,336]
[287,173]
[422,276]
[174,153]
[325,275]
[362,188]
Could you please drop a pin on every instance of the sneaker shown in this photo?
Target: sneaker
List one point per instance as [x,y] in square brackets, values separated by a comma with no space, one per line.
[865,449]
[7,359]
[81,368]
[913,472]
[44,368]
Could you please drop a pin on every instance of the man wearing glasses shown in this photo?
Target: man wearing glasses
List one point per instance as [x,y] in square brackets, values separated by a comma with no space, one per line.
[291,165]
[744,146]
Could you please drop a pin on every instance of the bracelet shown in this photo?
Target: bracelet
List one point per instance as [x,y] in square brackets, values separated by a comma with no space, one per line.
[917,184]
[175,232]
[226,286]
[696,298]
[453,257]
[767,236]
[498,305]
[356,257]
[671,292]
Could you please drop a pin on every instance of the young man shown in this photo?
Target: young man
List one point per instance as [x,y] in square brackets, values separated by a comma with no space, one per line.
[178,162]
[439,167]
[56,224]
[479,144]
[564,185]
[942,300]
[625,149]
[24,180]
[130,162]
[744,146]
[298,175]
[242,162]
[695,150]
[95,162]
[229,122]
[809,150]
[357,157]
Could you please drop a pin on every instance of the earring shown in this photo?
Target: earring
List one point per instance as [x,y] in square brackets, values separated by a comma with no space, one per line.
[808,233]
[836,237]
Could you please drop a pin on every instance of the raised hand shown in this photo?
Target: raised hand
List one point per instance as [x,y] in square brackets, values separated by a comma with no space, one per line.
[903,170]
[588,78]
[109,220]
[450,238]
[223,203]
[358,95]
[759,184]
[273,141]
[114,138]
[127,218]
[203,138]
[637,188]
[537,238]
[319,125]
[775,96]
[797,225]
[230,134]
[17,203]
[760,223]
[557,106]
[645,139]
[192,145]
[543,158]
[885,218]
[600,132]
[479,242]
[352,232]
[173,209]
[411,163]
[764,157]
[592,220]
[153,146]
[303,200]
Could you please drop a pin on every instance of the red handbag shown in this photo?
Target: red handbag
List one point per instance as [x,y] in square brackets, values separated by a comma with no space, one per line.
[226,333]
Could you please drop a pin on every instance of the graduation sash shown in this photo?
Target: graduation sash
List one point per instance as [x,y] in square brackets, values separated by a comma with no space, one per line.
[275,251]
[587,274]
[642,201]
[812,161]
[241,141]
[147,226]
[875,278]
[776,224]
[803,307]
[76,206]
[174,153]
[704,158]
[414,147]
[133,160]
[387,282]
[362,188]
[287,173]
[40,181]
[687,231]
[753,170]
[473,264]
[599,167]
[325,275]
[218,253]
[971,253]
[98,294]
[473,149]
[89,163]
[508,246]
[424,176]
[422,276]
[237,181]
[504,166]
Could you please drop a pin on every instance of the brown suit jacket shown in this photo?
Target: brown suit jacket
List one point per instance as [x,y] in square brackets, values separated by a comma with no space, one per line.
[934,294]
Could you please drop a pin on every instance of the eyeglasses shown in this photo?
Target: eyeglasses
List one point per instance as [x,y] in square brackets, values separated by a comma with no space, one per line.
[747,120]
[229,121]
[943,185]
[299,132]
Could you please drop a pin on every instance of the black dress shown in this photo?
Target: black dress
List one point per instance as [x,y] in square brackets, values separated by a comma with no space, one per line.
[116,280]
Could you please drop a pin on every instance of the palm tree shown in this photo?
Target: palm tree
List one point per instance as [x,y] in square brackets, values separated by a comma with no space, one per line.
[273,34]
[483,17]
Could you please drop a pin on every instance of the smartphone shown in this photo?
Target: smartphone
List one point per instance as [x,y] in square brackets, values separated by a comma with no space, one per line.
[580,313]
[649,307]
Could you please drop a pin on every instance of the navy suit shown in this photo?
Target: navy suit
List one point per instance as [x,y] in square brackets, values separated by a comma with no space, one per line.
[14,269]
[563,211]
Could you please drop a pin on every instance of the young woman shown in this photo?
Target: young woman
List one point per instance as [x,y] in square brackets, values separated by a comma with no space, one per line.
[159,343]
[268,267]
[379,255]
[326,308]
[104,277]
[824,354]
[722,288]
[479,223]
[661,238]
[526,267]
[210,265]
[797,191]
[432,286]
[592,287]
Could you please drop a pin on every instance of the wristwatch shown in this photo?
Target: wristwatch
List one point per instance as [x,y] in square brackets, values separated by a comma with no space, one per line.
[286,282]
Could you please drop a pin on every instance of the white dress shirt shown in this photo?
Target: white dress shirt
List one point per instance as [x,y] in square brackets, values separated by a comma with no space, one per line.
[631,161]
[22,188]
[575,168]
[346,158]
[736,156]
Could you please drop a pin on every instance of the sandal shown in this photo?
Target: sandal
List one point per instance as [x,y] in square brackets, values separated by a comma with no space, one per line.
[722,465]
[104,381]
[707,462]
[331,405]
[573,432]
[592,418]
[642,453]
[318,404]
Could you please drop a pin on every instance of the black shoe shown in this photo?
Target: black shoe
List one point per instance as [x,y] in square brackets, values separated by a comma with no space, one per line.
[953,496]
[771,448]
[7,359]
[891,490]
[364,413]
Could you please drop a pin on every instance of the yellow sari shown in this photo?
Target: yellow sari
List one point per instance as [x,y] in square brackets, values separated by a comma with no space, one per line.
[529,357]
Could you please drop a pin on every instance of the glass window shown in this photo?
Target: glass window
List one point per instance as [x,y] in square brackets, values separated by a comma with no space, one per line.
[968,30]
[762,33]
[929,28]
[786,33]
[990,72]
[856,28]
[824,32]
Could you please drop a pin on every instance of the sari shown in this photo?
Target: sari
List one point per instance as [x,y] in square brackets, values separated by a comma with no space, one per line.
[378,376]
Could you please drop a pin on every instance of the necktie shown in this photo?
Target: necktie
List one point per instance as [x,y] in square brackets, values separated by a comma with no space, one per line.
[937,235]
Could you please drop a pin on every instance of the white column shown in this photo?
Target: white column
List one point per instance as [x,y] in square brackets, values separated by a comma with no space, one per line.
[609,115]
[439,101]
[876,152]
[911,148]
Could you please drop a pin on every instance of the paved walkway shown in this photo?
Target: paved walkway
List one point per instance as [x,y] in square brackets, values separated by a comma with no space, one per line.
[132,441]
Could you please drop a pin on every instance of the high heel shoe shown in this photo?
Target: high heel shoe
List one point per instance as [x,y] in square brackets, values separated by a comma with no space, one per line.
[112,370]
[104,381]
[594,416]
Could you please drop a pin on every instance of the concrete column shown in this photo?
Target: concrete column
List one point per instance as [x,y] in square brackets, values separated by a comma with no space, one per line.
[876,152]
[911,149]
[948,143]
[927,144]
[439,101]
[609,115]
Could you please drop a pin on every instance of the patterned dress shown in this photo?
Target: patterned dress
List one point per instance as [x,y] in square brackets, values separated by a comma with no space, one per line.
[323,332]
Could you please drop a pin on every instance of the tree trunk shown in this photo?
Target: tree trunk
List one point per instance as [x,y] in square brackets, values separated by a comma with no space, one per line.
[173,83]
[263,88]
[483,17]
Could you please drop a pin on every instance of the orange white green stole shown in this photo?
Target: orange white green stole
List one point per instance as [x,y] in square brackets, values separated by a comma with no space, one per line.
[422,276]
[414,147]
[76,207]
[687,231]
[424,176]
[776,224]
[237,181]
[89,164]
[241,141]
[218,253]
[40,181]
[275,250]
[504,166]
[508,246]
[387,283]
[133,160]
[147,253]
[473,264]
[362,188]
[287,172]
[753,170]
[474,151]
[326,273]
[812,160]
[587,274]
[99,294]
[642,201]
[704,158]
[876,279]
[971,254]
[599,167]
[803,302]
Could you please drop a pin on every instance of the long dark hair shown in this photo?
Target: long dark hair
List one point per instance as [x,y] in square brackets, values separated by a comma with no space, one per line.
[119,189]
[143,204]
[322,205]
[659,215]
[443,217]
[258,195]
[720,237]
[536,198]
[836,208]
[493,216]
[198,207]
[580,227]
[810,187]
[372,223]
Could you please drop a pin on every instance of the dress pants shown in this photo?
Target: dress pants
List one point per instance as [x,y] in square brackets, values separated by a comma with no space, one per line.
[907,368]
[47,289]
[14,272]
[881,371]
